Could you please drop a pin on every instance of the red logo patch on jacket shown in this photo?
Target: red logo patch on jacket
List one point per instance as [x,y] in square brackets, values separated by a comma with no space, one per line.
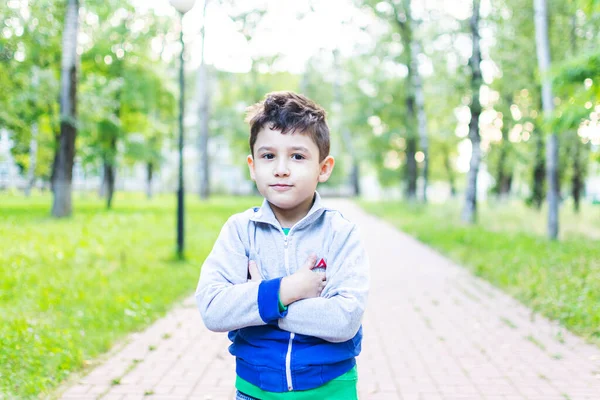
[321,264]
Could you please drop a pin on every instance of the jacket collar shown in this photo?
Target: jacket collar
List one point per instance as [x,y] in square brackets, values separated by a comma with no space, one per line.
[266,215]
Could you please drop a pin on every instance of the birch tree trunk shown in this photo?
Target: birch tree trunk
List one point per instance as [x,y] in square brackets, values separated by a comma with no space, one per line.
[469,213]
[543,55]
[65,151]
[417,83]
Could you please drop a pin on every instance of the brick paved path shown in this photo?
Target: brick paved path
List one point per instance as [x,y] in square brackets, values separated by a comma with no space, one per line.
[432,331]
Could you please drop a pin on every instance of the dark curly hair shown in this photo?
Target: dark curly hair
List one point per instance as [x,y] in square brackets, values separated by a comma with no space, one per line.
[290,112]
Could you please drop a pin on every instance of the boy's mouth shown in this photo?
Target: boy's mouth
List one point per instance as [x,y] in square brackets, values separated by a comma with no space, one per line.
[281,187]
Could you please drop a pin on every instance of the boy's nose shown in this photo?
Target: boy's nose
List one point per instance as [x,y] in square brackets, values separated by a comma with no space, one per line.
[281,169]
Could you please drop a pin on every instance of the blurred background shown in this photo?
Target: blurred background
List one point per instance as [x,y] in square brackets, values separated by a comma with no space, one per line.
[472,125]
[396,82]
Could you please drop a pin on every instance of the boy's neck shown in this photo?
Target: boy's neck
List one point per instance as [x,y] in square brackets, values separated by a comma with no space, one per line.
[288,218]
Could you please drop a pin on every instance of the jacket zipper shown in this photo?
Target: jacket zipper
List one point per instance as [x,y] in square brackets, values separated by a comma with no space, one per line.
[287,266]
[288,363]
[288,356]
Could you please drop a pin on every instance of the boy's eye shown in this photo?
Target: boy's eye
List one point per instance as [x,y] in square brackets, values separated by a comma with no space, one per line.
[268,156]
[297,156]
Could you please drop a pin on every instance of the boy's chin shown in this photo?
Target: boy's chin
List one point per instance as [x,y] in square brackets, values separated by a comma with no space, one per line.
[283,203]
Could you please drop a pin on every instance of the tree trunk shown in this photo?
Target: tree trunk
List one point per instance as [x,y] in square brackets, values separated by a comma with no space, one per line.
[33,145]
[54,162]
[109,183]
[355,178]
[403,20]
[539,171]
[65,157]
[102,188]
[110,159]
[469,214]
[543,55]
[421,116]
[577,179]
[203,107]
[578,173]
[149,173]
[110,172]
[503,177]
[411,168]
[449,171]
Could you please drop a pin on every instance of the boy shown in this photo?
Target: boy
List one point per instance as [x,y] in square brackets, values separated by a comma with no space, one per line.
[288,280]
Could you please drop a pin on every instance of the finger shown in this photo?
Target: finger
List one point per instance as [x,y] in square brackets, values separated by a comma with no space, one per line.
[254,273]
[310,261]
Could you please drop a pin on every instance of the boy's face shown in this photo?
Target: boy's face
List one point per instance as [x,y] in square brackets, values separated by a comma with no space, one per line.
[286,168]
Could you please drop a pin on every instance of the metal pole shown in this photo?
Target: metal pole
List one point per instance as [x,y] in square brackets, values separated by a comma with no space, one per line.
[180,190]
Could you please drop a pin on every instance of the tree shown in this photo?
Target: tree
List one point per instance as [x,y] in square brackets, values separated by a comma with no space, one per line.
[575,81]
[123,92]
[29,66]
[400,16]
[405,23]
[65,150]
[543,55]
[444,89]
[470,207]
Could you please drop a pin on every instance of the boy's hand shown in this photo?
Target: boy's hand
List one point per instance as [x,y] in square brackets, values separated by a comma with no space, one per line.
[254,272]
[303,284]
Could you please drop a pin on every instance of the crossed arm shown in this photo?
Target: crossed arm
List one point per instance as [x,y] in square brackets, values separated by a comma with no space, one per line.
[228,301]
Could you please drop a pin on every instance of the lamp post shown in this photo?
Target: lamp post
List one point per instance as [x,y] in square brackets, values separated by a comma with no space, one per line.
[182,6]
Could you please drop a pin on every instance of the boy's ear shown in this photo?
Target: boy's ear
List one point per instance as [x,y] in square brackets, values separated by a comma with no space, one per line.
[326,168]
[250,161]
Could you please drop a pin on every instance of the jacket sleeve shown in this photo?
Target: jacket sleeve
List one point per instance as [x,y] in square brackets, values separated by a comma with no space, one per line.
[226,299]
[335,316]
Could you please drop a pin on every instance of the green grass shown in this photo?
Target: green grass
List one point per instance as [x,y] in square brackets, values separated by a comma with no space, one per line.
[560,279]
[69,289]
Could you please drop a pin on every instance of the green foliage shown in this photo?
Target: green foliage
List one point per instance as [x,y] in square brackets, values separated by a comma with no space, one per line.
[124,94]
[70,289]
[558,279]
[122,88]
[576,71]
[127,104]
[577,81]
[29,76]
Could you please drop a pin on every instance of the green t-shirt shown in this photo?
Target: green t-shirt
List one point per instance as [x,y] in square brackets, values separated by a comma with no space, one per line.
[343,387]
